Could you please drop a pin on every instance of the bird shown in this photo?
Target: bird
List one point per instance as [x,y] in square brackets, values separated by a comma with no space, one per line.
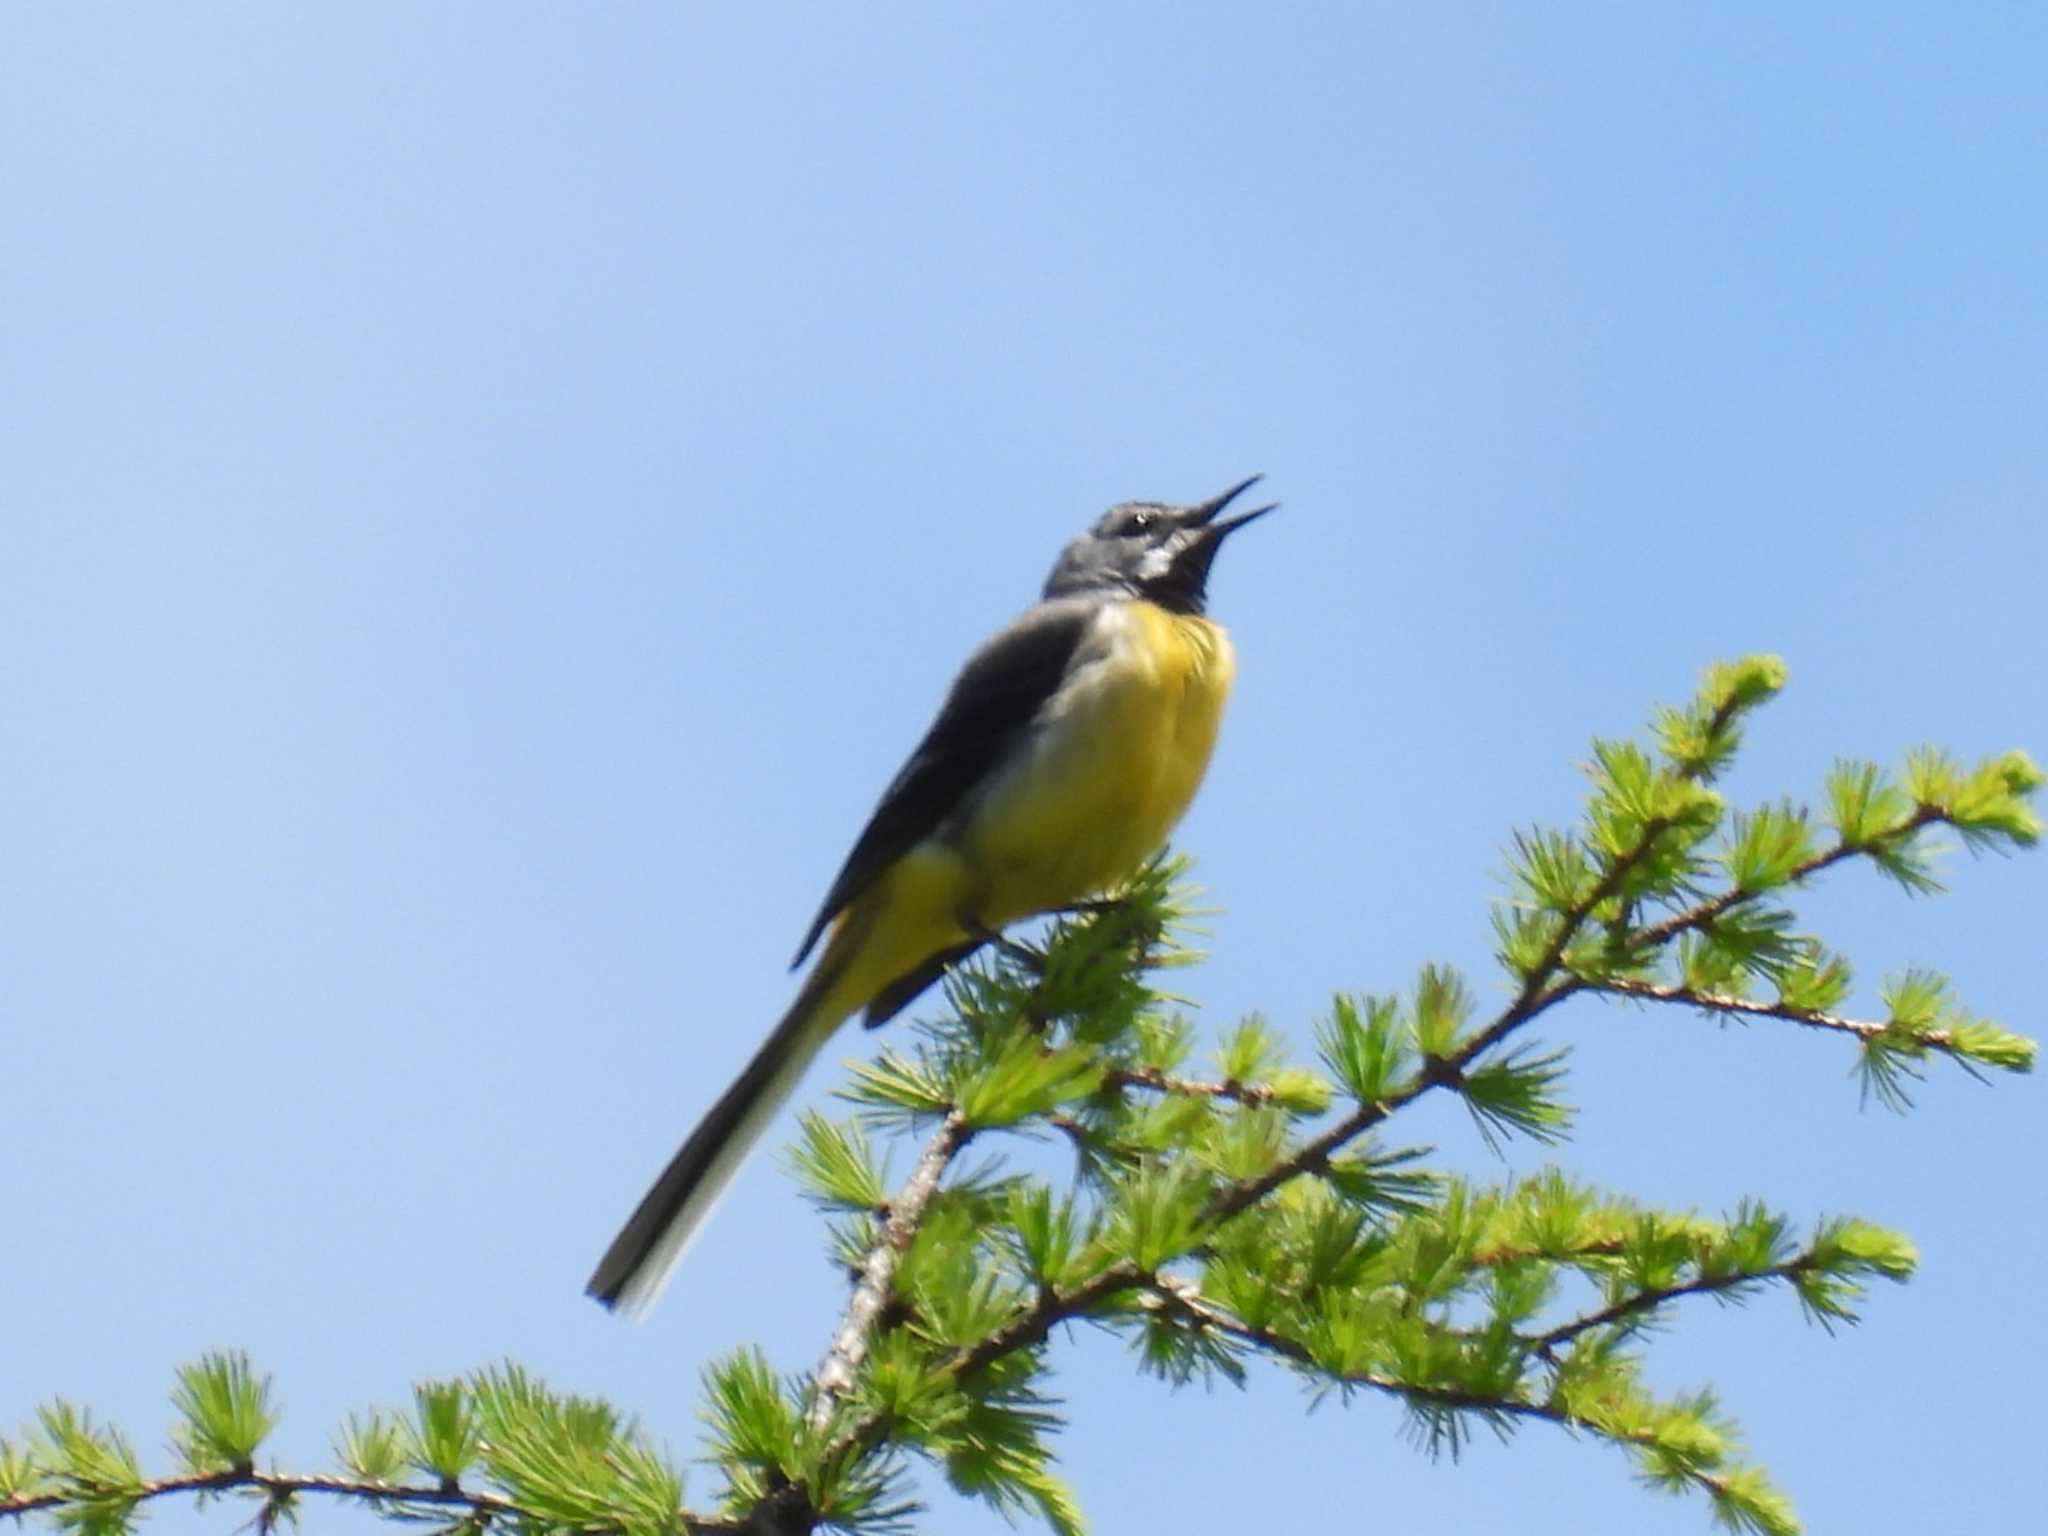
[1064,753]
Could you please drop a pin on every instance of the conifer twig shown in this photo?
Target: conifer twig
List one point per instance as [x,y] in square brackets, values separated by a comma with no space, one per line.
[1165,1082]
[1640,1302]
[278,1487]
[1723,1002]
[1181,1297]
[1186,1299]
[1703,913]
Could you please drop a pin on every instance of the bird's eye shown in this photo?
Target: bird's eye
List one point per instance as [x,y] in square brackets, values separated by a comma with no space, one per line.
[1136,522]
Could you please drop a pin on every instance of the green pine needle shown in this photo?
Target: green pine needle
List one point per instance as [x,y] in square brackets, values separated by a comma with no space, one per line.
[225,1411]
[1515,1093]
[1250,1052]
[570,1460]
[1443,1006]
[1364,1045]
[443,1433]
[22,1475]
[837,1165]
[372,1447]
[753,1424]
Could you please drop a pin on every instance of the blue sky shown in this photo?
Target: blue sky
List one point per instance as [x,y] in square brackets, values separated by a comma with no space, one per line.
[488,494]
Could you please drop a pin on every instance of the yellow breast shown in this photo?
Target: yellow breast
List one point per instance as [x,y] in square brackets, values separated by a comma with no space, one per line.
[1110,768]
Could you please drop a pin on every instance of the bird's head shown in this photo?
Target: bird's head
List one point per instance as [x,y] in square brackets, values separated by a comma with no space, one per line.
[1151,550]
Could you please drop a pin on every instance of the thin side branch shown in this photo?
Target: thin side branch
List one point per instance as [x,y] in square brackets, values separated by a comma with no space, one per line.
[1722,1002]
[277,1488]
[1179,1296]
[1053,1307]
[1185,1299]
[1526,1002]
[1659,934]
[1643,1302]
[1166,1082]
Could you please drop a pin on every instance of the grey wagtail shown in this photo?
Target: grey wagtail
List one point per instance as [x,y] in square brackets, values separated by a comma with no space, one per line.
[1066,750]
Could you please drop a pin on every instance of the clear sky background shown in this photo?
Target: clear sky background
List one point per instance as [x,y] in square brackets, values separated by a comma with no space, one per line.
[488,493]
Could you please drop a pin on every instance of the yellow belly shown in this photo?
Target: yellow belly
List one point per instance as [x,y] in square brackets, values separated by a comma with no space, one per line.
[1102,781]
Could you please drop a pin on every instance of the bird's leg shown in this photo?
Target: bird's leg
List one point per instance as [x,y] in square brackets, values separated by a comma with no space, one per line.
[1144,935]
[1029,959]
[972,925]
[1095,907]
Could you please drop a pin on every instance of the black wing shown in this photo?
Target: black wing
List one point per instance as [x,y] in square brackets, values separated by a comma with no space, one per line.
[991,704]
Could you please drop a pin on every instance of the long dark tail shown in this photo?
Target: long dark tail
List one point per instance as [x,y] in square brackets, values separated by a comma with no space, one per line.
[650,1245]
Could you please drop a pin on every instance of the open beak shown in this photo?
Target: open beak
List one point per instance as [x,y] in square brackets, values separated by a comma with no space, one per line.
[1204,515]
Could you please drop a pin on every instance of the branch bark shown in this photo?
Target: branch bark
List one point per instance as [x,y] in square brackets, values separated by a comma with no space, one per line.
[871,1292]
[1722,1002]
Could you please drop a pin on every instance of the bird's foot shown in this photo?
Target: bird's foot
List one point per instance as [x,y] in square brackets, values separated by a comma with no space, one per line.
[1022,954]
[1094,907]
